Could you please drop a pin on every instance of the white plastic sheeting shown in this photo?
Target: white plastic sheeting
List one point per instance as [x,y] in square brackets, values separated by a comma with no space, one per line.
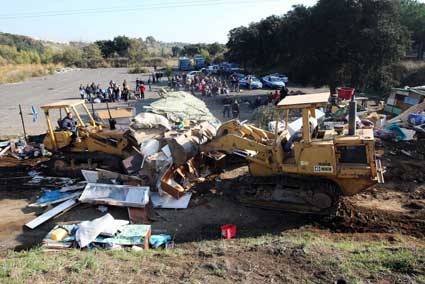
[150,120]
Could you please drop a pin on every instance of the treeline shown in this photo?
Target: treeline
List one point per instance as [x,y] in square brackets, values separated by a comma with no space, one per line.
[118,52]
[213,52]
[355,43]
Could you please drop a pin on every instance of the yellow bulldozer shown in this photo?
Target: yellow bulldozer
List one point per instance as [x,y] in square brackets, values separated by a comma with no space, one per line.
[96,144]
[306,172]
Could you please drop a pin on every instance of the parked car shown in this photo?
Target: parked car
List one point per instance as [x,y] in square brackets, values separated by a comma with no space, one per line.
[283,77]
[191,75]
[273,82]
[255,84]
[213,69]
[230,68]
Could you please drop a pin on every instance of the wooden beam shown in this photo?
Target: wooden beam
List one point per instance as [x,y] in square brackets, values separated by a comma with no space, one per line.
[51,213]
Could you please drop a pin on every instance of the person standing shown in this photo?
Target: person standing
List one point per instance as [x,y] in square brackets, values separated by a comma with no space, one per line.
[227,102]
[283,92]
[250,82]
[142,91]
[276,97]
[82,92]
[235,109]
[150,84]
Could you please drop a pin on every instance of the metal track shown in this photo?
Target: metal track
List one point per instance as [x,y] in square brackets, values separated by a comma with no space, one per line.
[307,195]
[70,164]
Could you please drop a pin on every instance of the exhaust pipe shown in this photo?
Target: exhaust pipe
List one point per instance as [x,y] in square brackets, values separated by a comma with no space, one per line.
[352,114]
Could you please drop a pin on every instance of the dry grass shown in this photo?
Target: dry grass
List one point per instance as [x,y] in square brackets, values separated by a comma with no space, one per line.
[17,73]
[293,257]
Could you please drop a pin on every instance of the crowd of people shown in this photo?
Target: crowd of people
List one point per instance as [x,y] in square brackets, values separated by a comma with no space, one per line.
[206,85]
[115,92]
[200,84]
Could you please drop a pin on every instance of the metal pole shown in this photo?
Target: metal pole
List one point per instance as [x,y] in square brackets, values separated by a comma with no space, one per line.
[92,109]
[23,123]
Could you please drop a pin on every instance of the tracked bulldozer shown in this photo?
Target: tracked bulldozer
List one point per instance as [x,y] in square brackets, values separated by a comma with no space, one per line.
[96,144]
[307,172]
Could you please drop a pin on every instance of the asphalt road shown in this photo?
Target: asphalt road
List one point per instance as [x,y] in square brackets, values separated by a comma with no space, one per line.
[38,91]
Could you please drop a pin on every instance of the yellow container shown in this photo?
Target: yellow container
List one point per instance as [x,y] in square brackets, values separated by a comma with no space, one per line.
[59,234]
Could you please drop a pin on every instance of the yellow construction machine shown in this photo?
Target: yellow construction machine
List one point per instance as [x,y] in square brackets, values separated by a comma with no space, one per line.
[95,146]
[306,172]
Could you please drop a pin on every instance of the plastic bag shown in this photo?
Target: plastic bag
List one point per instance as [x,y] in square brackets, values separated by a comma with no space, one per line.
[150,120]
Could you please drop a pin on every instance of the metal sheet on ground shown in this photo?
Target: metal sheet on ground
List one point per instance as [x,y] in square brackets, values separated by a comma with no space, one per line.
[116,195]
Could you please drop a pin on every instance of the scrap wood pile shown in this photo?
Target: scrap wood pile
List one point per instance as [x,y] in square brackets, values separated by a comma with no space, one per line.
[20,149]
[159,174]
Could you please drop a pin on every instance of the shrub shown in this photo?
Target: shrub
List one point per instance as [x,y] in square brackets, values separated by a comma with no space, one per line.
[138,70]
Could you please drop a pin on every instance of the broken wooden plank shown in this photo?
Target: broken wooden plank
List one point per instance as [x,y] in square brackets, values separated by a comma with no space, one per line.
[4,150]
[405,114]
[51,213]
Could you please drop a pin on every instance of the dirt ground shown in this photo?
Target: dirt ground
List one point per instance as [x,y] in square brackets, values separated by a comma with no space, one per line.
[398,206]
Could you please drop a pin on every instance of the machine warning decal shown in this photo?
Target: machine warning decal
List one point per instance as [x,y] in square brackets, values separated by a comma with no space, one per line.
[323,169]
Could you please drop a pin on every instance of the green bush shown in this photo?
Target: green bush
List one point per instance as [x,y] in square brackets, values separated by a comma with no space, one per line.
[138,70]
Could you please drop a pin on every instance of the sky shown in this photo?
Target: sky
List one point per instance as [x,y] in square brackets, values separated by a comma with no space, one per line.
[189,21]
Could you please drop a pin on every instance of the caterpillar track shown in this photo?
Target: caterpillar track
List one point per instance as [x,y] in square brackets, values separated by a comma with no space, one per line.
[70,164]
[287,193]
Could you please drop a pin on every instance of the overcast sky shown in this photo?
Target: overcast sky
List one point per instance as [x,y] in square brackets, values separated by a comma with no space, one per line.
[166,20]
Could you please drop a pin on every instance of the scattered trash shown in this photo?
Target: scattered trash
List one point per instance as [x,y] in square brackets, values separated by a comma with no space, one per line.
[166,201]
[102,208]
[54,196]
[159,240]
[59,234]
[88,230]
[228,231]
[150,120]
[51,213]
[115,195]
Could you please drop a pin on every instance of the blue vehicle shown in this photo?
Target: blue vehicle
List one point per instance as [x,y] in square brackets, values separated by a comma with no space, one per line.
[273,82]
[185,64]
[199,61]
[283,77]
[255,83]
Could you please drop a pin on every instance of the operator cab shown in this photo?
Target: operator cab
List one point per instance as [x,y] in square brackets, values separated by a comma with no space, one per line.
[57,137]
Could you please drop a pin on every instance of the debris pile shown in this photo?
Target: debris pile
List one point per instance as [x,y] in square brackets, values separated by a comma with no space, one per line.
[20,149]
[159,174]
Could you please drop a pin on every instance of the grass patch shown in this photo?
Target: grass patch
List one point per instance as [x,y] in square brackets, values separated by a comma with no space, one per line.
[17,73]
[301,255]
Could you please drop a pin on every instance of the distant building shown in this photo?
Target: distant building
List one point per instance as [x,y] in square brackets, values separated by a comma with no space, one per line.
[401,99]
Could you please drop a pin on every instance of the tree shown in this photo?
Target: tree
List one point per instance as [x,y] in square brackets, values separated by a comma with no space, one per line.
[93,56]
[137,50]
[334,43]
[71,56]
[413,17]
[353,43]
[176,50]
[122,45]
[215,48]
[191,50]
[150,40]
[241,45]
